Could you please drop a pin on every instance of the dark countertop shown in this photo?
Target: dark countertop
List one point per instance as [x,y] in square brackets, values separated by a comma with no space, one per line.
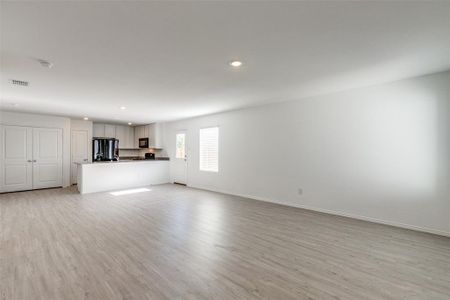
[128,158]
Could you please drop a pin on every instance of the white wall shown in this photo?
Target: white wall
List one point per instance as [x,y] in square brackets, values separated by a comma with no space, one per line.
[35,120]
[380,153]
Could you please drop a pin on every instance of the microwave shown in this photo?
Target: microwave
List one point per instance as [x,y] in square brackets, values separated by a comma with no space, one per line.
[143,143]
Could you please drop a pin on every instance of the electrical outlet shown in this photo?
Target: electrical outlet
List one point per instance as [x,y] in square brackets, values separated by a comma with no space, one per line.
[300,191]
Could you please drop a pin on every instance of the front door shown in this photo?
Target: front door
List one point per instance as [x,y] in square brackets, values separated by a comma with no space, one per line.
[179,169]
[47,157]
[79,151]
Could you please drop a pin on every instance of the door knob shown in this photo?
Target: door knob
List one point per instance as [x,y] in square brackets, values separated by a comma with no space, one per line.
[34,160]
[85,159]
[29,160]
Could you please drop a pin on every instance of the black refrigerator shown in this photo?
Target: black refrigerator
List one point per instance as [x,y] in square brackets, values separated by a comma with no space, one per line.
[105,149]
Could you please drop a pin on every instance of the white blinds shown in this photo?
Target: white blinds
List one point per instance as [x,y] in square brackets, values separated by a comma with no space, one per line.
[209,149]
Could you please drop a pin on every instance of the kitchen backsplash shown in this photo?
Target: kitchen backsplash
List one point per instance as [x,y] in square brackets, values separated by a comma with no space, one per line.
[128,152]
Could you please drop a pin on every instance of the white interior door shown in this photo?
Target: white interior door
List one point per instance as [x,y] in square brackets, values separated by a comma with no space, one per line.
[80,151]
[179,167]
[17,158]
[47,157]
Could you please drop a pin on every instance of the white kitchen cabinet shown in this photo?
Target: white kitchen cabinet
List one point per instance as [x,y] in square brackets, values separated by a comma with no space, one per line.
[110,131]
[150,135]
[123,175]
[152,131]
[130,137]
[125,135]
[146,131]
[155,135]
[139,133]
[121,135]
[136,137]
[104,130]
[98,130]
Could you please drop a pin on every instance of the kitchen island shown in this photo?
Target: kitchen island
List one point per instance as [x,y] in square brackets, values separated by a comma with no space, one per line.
[110,176]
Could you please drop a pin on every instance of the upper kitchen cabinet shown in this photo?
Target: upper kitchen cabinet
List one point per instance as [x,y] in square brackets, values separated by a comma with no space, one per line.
[155,135]
[152,131]
[139,133]
[125,135]
[121,135]
[98,130]
[129,136]
[104,130]
[110,131]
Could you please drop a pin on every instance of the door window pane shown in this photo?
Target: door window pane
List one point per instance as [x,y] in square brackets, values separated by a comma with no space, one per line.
[180,147]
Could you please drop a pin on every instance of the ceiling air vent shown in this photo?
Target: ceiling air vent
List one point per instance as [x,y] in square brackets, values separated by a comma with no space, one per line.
[19,82]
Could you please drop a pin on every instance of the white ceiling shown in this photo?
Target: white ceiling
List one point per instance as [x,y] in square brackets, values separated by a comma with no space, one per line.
[168,60]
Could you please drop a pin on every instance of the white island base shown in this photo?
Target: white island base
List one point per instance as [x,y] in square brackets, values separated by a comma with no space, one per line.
[110,176]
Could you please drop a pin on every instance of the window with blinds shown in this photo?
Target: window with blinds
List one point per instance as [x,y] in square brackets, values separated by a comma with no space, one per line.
[209,149]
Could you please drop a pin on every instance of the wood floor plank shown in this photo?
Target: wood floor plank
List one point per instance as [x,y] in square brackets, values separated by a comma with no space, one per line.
[175,242]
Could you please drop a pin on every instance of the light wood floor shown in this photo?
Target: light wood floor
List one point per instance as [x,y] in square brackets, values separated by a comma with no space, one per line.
[175,242]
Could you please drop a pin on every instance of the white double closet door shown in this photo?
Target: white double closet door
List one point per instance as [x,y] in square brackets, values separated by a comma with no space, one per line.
[31,158]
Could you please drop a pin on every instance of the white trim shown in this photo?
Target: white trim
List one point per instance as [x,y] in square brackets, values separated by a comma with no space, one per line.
[333,212]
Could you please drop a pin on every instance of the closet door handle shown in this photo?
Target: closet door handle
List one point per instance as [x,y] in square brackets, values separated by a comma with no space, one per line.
[29,160]
[34,160]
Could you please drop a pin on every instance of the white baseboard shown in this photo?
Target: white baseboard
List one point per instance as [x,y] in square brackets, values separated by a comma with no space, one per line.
[333,212]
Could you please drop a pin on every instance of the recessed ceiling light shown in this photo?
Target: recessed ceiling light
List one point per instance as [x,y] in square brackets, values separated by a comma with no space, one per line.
[85,118]
[129,123]
[123,107]
[236,63]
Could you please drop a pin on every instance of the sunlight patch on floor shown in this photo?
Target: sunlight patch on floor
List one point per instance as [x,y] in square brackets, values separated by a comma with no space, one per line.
[130,191]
